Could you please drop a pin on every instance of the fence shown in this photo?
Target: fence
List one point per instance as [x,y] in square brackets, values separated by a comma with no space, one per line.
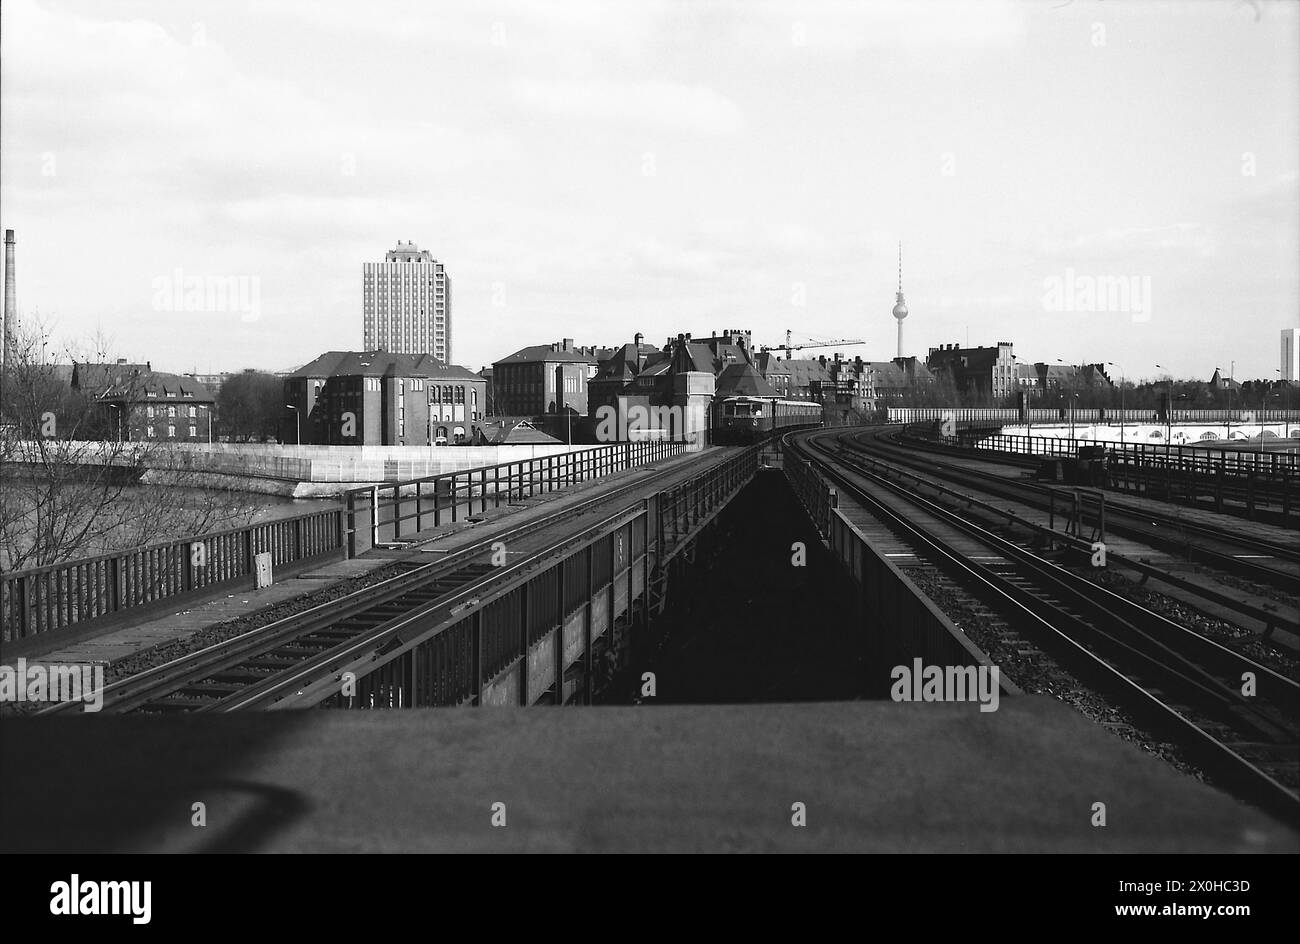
[1200,459]
[540,617]
[1011,415]
[72,594]
[382,514]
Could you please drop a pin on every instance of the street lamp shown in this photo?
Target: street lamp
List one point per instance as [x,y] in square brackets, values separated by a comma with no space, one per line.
[297,416]
[118,420]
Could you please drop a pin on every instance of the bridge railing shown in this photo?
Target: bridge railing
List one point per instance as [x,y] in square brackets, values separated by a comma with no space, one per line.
[526,634]
[1181,458]
[1052,415]
[385,513]
[60,597]
[902,622]
[813,491]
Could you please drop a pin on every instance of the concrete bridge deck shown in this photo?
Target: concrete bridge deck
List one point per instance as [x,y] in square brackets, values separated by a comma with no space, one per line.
[873,777]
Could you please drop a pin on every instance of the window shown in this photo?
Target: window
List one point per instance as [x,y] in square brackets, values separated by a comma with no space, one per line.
[171,411]
[149,411]
[193,413]
[171,432]
[194,431]
[149,431]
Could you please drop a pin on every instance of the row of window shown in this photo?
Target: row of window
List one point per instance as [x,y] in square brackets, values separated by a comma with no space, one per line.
[171,432]
[171,412]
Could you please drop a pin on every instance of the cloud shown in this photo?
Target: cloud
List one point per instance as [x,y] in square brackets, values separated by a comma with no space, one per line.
[654,104]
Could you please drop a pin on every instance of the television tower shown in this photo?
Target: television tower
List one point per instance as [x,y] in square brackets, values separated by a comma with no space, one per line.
[900,307]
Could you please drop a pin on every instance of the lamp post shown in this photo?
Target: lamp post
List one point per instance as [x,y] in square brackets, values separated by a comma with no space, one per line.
[297,416]
[117,421]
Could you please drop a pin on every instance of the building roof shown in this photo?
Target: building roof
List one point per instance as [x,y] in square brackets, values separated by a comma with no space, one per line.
[887,375]
[94,379]
[626,361]
[380,364]
[155,384]
[516,432]
[1223,383]
[555,353]
[768,364]
[803,373]
[742,380]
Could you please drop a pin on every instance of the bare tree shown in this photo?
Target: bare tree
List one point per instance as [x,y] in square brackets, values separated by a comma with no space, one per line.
[68,474]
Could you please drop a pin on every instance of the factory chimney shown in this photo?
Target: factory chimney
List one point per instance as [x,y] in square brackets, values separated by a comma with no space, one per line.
[11,301]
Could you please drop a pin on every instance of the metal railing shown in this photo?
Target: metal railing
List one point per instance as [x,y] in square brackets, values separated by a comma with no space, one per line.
[523,639]
[75,593]
[386,513]
[1052,415]
[1203,459]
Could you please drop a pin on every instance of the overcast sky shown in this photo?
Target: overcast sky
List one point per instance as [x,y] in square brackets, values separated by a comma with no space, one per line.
[591,170]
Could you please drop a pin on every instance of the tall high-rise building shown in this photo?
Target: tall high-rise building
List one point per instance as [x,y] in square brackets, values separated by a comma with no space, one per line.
[1291,354]
[406,304]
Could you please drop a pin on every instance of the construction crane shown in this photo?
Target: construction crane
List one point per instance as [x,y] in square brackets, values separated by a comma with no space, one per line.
[788,347]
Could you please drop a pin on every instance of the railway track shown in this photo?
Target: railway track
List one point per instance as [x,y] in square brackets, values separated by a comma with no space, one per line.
[251,669]
[1249,556]
[1179,683]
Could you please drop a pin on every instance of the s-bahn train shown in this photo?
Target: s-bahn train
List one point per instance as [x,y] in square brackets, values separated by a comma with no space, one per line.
[740,420]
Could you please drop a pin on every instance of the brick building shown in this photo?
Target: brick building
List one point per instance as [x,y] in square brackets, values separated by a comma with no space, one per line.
[141,404]
[545,378]
[374,398]
[982,375]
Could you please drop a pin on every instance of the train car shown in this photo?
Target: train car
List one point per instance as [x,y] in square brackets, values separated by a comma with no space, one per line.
[740,420]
